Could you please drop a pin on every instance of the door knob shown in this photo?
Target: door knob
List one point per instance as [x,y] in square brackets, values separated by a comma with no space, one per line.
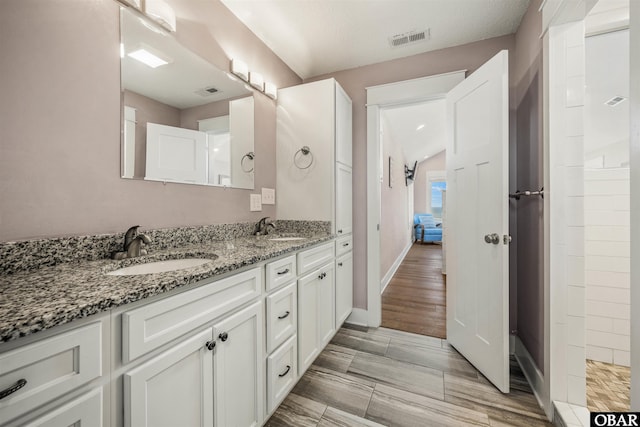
[492,238]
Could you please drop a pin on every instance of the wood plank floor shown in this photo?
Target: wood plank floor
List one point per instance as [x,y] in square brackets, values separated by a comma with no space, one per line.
[415,299]
[373,377]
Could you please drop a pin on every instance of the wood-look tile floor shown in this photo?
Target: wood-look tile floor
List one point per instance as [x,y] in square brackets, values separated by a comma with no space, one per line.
[415,298]
[373,377]
[608,387]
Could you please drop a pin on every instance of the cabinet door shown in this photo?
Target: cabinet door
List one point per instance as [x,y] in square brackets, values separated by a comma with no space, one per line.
[174,388]
[344,127]
[326,304]
[308,343]
[316,322]
[344,287]
[343,199]
[239,368]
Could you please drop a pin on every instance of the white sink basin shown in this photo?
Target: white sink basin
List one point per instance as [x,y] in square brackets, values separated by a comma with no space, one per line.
[159,266]
[286,239]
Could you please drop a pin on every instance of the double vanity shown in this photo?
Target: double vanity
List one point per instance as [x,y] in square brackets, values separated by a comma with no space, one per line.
[212,333]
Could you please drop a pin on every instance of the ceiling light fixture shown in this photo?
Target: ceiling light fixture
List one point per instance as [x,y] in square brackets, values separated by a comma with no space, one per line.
[147,58]
[420,127]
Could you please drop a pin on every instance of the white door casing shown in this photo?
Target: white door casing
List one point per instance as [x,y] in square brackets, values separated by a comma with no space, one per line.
[477,211]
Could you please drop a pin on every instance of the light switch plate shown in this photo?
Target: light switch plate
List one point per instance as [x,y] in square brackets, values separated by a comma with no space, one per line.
[268,196]
[255,202]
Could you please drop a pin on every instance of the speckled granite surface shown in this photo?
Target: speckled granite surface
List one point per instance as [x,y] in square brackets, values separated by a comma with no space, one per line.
[36,299]
[33,254]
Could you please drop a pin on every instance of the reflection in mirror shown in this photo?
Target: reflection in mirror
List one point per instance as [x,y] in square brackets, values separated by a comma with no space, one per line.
[183,119]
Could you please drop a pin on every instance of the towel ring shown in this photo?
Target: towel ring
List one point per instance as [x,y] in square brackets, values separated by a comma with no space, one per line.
[250,155]
[305,151]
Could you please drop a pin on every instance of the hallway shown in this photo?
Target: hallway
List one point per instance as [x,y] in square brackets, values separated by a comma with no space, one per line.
[415,299]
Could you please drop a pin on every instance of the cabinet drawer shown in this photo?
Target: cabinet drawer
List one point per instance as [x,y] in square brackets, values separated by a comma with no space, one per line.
[281,316]
[343,245]
[280,272]
[153,325]
[281,373]
[83,411]
[314,258]
[51,368]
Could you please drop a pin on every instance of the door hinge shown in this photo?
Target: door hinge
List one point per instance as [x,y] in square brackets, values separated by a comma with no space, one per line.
[506,239]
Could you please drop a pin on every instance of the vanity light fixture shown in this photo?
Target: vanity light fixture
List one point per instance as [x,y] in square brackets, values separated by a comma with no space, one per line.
[161,12]
[270,90]
[147,58]
[240,69]
[256,80]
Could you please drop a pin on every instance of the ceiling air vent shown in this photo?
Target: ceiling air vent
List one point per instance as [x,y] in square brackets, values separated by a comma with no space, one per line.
[615,101]
[410,37]
[207,91]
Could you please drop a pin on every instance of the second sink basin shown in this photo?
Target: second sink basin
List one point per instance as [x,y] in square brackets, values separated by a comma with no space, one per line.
[159,266]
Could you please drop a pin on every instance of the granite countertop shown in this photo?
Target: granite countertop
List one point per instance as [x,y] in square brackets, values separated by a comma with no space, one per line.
[49,296]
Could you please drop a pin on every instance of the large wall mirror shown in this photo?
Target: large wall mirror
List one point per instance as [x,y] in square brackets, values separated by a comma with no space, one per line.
[183,120]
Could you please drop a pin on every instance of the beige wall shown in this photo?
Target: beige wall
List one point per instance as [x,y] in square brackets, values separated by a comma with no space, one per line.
[60,121]
[432,164]
[355,81]
[395,224]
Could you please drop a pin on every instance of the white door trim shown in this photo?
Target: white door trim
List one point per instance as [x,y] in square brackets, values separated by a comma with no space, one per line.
[404,92]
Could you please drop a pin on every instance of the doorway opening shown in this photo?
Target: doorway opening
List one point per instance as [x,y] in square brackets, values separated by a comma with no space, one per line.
[413,137]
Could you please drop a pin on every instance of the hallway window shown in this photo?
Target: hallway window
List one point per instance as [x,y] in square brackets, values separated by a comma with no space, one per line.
[436,197]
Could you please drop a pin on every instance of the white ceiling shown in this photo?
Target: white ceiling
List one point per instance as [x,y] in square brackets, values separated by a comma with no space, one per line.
[402,124]
[315,37]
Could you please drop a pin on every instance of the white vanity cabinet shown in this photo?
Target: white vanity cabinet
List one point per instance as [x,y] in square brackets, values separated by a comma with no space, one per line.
[211,376]
[220,353]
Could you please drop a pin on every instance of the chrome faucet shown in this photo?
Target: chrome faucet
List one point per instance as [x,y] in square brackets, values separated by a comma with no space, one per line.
[262,227]
[132,244]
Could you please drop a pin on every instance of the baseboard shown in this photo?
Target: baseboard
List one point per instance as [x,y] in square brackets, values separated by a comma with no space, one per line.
[358,316]
[387,277]
[534,377]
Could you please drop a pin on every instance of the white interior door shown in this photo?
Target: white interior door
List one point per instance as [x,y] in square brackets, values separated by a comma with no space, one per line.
[477,214]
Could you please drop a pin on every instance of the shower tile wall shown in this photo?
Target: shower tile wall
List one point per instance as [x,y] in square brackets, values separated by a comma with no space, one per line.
[607,264]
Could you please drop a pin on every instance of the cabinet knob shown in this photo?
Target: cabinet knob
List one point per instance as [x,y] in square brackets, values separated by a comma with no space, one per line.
[339,264]
[17,386]
[223,336]
[339,231]
[210,345]
[322,275]
[345,245]
[285,372]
